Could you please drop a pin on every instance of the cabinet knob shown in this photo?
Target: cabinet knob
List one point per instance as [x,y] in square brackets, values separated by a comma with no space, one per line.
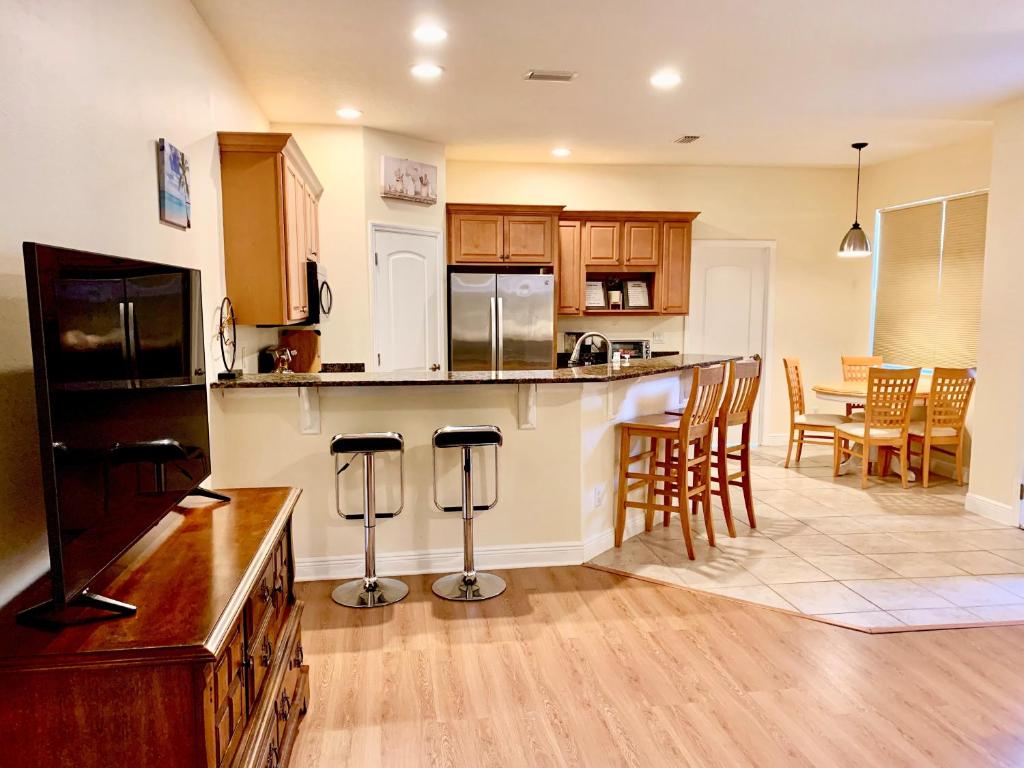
[435,367]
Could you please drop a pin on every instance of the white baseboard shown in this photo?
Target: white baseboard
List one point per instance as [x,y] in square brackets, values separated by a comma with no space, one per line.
[1008,514]
[450,560]
[605,540]
[440,560]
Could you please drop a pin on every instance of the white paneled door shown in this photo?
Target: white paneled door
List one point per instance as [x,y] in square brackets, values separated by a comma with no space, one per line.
[407,301]
[729,285]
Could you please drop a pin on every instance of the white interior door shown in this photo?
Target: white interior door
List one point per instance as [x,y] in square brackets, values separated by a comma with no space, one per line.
[729,284]
[406,299]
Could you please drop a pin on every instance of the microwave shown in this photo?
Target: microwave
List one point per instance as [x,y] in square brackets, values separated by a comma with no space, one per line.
[634,348]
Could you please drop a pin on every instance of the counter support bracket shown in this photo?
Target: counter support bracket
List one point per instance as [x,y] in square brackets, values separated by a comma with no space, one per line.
[526,405]
[309,410]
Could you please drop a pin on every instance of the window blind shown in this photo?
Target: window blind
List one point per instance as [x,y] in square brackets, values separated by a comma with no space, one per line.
[928,288]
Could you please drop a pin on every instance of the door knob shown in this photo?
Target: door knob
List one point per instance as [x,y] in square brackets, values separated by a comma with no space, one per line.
[435,367]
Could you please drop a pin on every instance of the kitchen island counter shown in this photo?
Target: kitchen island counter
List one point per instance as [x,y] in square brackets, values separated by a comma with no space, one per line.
[579,375]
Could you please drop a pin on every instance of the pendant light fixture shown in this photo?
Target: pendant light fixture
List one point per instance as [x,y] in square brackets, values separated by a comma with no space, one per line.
[855,245]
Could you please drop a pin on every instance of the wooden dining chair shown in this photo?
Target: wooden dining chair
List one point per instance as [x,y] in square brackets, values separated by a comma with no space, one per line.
[890,395]
[672,474]
[943,425]
[855,368]
[821,426]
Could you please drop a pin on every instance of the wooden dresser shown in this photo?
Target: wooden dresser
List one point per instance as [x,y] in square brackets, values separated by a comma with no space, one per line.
[209,672]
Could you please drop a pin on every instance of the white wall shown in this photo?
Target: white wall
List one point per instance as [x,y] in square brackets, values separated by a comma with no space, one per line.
[88,87]
[821,302]
[938,172]
[997,466]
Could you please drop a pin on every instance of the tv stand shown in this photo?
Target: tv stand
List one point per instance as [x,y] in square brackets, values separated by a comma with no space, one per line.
[206,493]
[209,672]
[48,615]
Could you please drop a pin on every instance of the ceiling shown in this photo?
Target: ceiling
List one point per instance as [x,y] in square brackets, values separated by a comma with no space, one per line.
[786,82]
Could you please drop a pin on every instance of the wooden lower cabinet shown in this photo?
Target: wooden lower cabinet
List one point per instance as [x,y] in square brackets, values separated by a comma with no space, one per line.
[209,673]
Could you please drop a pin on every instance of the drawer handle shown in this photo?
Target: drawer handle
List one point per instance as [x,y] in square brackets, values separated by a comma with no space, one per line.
[265,593]
[268,651]
[273,756]
[286,705]
[299,656]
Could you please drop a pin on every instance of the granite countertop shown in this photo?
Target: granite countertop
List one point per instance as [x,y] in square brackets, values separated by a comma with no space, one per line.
[591,373]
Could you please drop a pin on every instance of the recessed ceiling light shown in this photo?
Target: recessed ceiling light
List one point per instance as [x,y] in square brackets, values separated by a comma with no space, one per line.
[350,113]
[665,79]
[430,33]
[427,71]
[561,151]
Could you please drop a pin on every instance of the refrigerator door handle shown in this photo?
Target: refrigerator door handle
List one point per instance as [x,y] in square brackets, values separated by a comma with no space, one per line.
[494,336]
[500,334]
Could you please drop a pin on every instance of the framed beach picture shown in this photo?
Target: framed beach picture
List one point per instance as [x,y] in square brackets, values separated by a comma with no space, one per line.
[404,179]
[173,181]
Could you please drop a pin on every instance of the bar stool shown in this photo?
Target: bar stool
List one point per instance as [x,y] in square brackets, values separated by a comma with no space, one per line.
[682,477]
[369,591]
[470,584]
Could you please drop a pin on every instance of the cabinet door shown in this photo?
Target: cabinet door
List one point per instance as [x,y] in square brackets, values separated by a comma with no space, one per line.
[570,268]
[312,225]
[601,243]
[295,244]
[528,239]
[640,243]
[675,269]
[477,238]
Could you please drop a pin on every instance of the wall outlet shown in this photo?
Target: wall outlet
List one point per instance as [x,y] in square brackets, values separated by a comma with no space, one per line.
[598,496]
[658,337]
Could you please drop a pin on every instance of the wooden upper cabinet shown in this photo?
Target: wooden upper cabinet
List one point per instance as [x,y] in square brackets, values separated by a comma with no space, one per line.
[502,234]
[477,238]
[528,239]
[271,226]
[640,243]
[675,268]
[601,245]
[570,273]
[297,243]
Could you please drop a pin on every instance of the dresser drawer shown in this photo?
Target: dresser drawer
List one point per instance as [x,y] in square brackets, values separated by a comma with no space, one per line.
[261,599]
[229,699]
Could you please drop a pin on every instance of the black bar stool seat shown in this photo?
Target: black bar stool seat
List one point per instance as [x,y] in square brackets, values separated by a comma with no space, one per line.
[458,437]
[367,442]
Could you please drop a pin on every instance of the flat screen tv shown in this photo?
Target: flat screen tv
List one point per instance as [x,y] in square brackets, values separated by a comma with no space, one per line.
[118,351]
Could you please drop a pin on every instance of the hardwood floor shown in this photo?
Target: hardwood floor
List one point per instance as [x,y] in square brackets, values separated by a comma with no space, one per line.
[579,667]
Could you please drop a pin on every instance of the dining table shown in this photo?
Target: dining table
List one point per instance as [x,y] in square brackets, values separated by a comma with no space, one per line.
[856,392]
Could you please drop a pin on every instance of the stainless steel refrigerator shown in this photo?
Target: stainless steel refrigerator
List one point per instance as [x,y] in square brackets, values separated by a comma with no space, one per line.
[500,322]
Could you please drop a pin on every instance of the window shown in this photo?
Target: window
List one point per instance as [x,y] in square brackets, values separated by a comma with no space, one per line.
[927,291]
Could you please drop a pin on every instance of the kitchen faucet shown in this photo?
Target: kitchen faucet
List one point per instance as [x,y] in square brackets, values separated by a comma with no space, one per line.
[574,358]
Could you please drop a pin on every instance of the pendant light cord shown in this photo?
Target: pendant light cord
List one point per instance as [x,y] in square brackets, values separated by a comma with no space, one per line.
[856,205]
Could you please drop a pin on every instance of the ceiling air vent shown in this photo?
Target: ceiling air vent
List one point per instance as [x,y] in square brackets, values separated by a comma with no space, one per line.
[549,76]
[686,140]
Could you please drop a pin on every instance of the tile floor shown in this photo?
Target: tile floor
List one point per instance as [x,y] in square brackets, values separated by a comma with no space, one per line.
[878,559]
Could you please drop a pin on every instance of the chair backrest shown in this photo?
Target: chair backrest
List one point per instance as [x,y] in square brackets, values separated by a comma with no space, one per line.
[795,384]
[949,398]
[855,368]
[744,379]
[702,404]
[890,396]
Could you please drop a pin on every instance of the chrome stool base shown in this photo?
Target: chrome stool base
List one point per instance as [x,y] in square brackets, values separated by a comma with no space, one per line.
[354,594]
[456,587]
